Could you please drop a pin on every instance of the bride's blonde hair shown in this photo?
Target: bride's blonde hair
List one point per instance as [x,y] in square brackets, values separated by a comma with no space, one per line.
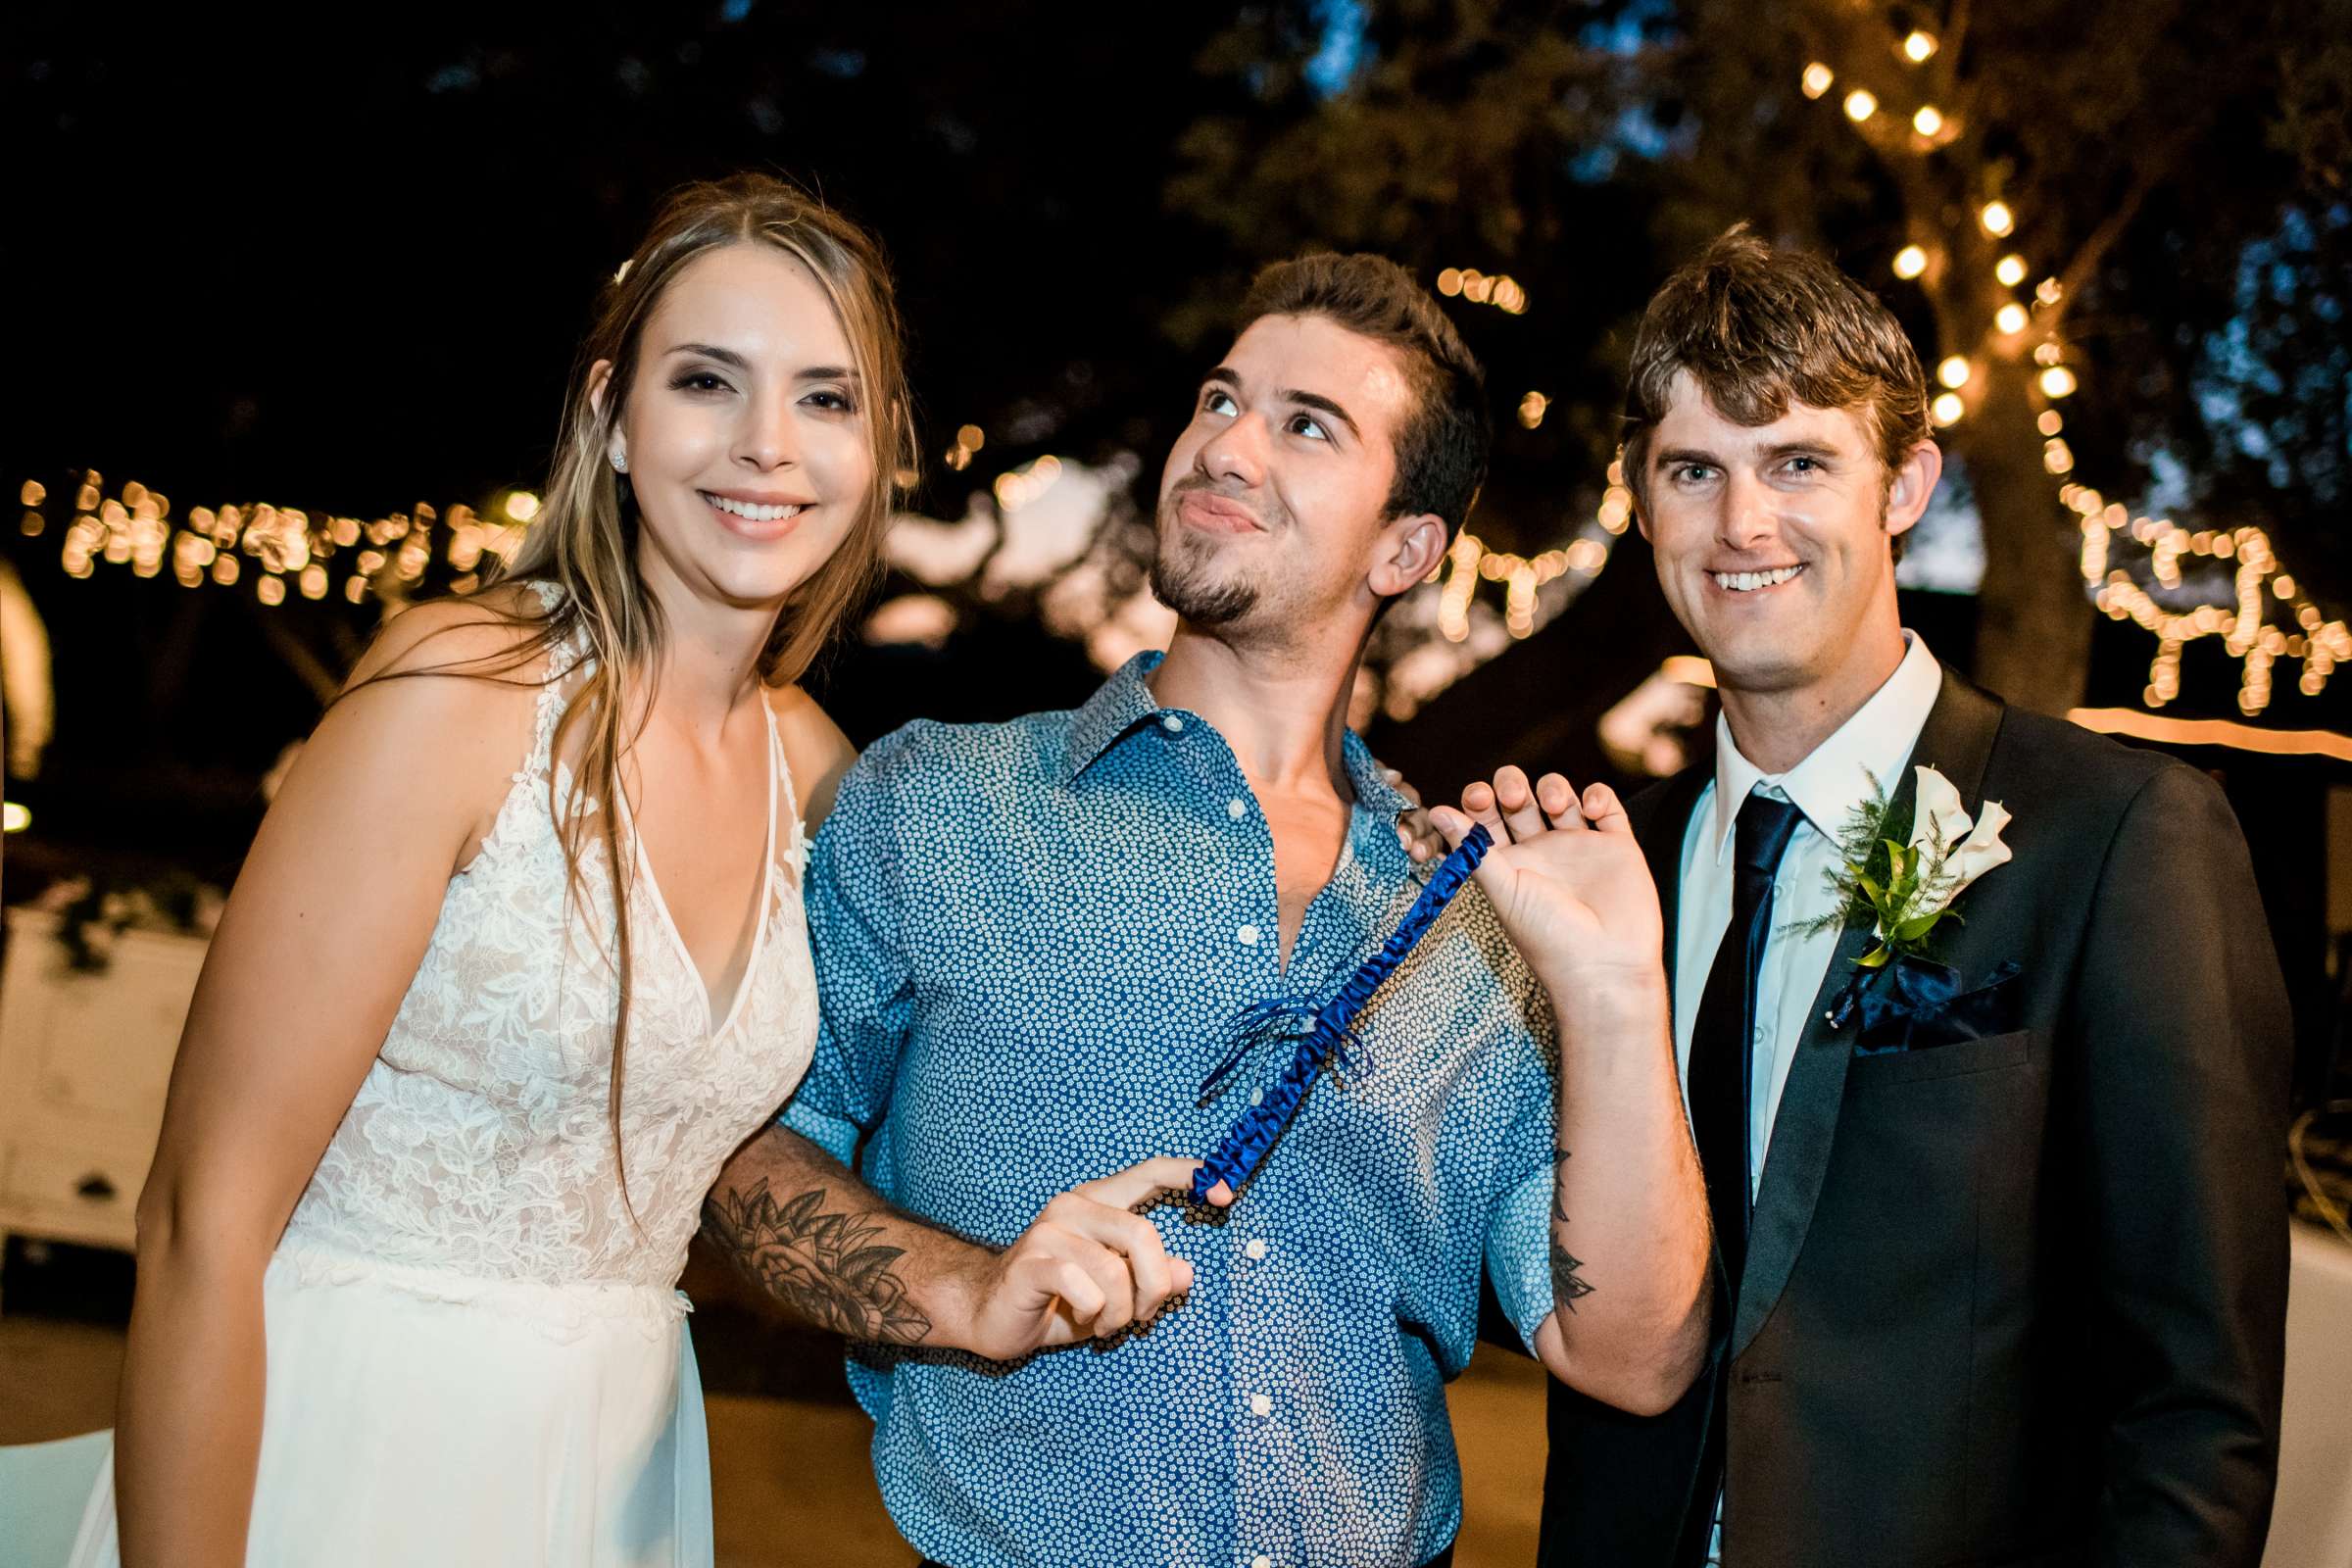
[584,539]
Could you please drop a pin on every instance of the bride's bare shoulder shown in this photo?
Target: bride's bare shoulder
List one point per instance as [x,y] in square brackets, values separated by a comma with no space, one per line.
[492,634]
[816,749]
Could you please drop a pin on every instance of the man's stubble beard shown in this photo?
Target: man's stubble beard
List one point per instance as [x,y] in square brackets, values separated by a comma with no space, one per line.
[1196,600]
[1182,576]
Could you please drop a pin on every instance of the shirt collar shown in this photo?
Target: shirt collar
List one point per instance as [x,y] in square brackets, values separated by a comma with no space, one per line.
[1125,700]
[1118,706]
[1835,776]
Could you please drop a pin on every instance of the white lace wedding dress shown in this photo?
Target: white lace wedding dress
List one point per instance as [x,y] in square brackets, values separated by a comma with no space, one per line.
[475,1354]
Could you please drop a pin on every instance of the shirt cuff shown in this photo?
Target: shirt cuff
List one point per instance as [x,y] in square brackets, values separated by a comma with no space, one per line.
[1519,1254]
[831,1134]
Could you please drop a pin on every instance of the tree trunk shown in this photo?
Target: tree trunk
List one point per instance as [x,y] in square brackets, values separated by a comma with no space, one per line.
[2034,613]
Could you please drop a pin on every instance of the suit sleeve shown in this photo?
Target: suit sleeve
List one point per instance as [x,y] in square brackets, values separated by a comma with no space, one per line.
[864,987]
[2185,1043]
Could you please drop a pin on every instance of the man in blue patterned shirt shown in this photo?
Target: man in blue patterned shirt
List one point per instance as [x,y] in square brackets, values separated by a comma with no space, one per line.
[1031,938]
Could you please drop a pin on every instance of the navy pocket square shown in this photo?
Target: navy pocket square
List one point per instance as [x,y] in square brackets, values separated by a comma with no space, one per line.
[1918,1005]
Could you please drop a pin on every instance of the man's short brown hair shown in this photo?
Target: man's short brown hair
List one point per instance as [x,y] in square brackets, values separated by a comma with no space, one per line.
[1759,328]
[1443,445]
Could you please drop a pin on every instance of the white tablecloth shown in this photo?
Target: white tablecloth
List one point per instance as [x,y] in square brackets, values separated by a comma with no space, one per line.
[2311,1526]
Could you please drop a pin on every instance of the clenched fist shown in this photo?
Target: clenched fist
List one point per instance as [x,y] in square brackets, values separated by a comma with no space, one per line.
[1087,1268]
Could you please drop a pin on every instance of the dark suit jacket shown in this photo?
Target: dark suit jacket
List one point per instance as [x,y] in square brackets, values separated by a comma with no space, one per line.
[2015,1300]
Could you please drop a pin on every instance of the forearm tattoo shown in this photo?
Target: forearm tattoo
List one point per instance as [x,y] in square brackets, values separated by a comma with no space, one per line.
[1567,1286]
[826,1267]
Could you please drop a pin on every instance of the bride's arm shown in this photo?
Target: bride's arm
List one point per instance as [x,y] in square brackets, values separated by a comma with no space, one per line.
[319,943]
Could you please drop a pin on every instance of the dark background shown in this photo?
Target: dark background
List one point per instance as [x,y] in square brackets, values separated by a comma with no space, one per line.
[341,260]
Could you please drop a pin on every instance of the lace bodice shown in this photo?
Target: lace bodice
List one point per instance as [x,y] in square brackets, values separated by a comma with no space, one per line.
[481,1140]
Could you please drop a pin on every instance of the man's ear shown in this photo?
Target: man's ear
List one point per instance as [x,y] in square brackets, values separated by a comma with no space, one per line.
[1408,550]
[1914,483]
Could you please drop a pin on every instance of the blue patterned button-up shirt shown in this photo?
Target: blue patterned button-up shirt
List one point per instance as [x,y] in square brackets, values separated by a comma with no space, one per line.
[1030,938]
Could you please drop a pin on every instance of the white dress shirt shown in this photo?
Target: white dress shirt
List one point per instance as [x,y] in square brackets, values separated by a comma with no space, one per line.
[1834,778]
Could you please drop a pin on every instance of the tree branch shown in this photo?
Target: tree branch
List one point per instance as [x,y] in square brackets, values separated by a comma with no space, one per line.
[2157,166]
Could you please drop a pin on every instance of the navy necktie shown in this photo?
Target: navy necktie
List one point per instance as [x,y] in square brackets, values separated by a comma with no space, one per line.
[1722,1089]
[1723,1036]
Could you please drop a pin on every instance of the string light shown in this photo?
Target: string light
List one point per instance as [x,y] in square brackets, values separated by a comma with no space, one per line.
[277,546]
[1017,487]
[1532,408]
[14,818]
[2319,642]
[1929,120]
[2213,732]
[969,439]
[1501,290]
[1817,80]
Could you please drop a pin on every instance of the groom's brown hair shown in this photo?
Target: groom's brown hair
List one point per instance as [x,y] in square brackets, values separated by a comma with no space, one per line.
[1760,327]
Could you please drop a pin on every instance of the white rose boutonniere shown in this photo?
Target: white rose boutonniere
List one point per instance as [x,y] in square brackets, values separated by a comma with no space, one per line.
[1906,882]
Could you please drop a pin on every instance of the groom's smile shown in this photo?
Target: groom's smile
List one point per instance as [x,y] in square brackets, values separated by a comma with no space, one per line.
[1755,580]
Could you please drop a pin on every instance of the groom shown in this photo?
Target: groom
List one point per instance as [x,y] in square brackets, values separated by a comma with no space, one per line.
[1031,940]
[2003,1261]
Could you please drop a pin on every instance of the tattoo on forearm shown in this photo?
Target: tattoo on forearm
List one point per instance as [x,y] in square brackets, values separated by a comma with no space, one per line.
[828,1268]
[1567,1286]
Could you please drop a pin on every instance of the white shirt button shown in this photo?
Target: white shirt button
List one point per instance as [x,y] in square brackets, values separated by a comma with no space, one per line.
[1171,723]
[1246,935]
[1257,1096]
[1260,1404]
[1261,1560]
[1237,808]
[1256,1251]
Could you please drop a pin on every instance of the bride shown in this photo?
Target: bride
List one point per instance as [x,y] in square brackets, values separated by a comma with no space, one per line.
[517,959]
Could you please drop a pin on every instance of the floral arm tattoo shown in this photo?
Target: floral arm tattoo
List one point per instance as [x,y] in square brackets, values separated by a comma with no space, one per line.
[1567,1286]
[828,1268]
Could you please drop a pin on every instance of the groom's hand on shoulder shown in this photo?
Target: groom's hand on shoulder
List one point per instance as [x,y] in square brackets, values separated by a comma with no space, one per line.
[1568,880]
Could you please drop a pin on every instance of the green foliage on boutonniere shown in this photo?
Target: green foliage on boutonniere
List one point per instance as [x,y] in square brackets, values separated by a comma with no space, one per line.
[1901,887]
[1903,869]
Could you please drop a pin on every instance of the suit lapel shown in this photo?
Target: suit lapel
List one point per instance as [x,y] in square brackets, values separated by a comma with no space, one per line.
[1955,741]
